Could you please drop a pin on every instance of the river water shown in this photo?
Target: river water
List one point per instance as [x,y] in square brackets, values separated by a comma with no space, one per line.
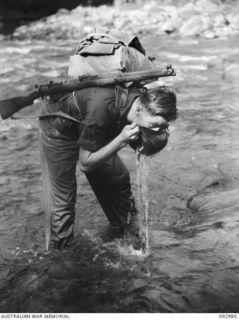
[193,207]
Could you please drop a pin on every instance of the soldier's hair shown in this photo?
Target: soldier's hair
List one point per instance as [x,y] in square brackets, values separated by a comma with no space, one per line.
[160,100]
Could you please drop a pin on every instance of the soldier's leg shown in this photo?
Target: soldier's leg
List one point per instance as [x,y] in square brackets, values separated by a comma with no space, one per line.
[58,159]
[111,185]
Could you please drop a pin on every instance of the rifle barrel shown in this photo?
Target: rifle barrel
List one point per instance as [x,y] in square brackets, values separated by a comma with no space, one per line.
[103,80]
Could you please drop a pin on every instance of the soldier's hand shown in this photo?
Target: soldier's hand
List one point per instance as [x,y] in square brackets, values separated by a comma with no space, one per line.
[129,133]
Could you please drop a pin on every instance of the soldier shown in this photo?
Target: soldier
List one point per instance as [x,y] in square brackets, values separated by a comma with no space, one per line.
[98,123]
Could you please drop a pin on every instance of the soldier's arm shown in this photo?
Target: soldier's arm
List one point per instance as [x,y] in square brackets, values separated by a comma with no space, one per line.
[90,160]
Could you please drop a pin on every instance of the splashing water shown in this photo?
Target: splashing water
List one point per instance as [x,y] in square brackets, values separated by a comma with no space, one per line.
[143,164]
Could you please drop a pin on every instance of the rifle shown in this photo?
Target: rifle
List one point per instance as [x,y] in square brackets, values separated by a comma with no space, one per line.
[10,106]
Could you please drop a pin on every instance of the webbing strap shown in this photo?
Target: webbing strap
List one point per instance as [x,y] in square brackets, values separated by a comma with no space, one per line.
[23,118]
[58,113]
[77,106]
[110,36]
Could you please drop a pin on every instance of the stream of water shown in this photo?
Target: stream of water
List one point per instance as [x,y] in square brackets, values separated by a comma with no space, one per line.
[142,167]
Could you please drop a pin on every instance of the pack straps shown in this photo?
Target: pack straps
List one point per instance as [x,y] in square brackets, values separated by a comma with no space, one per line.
[76,105]
[54,114]
[60,114]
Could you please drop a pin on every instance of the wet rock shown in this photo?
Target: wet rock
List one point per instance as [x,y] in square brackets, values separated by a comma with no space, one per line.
[226,281]
[215,63]
[233,19]
[192,27]
[224,31]
[206,5]
[219,20]
[231,72]
[169,27]
[187,11]
[202,18]
[210,34]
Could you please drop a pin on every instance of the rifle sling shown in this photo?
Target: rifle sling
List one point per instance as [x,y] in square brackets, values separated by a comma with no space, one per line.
[54,114]
[76,105]
[59,114]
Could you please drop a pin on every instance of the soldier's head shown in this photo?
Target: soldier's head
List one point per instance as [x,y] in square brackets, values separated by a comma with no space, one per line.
[154,108]
[152,111]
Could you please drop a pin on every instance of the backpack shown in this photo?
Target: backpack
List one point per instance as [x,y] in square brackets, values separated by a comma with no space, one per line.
[100,53]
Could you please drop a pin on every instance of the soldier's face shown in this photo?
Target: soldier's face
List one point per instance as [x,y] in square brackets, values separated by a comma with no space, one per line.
[155,122]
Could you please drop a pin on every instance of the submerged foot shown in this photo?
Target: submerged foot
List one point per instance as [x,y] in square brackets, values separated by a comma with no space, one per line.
[128,233]
[132,236]
[113,232]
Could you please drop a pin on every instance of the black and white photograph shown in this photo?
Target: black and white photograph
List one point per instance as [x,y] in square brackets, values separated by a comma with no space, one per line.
[119,158]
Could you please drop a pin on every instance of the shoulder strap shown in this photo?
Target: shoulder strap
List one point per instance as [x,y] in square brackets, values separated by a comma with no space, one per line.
[121,94]
[76,105]
[101,35]
[60,114]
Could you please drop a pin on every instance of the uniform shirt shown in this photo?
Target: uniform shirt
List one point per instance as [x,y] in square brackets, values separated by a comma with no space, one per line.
[104,115]
[103,111]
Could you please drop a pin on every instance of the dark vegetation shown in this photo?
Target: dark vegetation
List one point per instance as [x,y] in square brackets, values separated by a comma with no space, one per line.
[17,12]
[49,6]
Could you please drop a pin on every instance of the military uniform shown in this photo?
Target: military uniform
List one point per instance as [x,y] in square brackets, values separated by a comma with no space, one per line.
[88,119]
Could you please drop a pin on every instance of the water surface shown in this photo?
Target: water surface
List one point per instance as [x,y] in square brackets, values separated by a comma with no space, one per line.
[192,207]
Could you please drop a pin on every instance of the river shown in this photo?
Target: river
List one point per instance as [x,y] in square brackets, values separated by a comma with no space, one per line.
[193,205]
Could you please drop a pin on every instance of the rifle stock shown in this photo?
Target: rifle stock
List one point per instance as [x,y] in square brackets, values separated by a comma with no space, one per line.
[10,106]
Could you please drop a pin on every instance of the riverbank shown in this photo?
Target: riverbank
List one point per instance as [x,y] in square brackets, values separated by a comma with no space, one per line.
[201,18]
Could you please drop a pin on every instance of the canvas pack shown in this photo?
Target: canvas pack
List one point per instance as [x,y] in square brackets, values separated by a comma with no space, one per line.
[103,53]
